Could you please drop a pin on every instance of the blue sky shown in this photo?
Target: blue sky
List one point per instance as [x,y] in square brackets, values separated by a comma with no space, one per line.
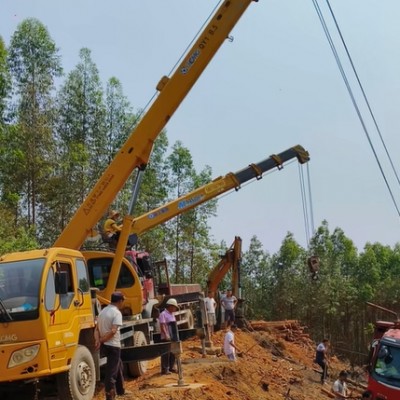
[274,86]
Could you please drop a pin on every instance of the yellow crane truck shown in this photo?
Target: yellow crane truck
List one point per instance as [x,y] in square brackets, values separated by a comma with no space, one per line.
[47,310]
[48,298]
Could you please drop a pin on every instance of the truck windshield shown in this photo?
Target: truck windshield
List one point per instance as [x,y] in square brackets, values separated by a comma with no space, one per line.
[19,288]
[387,365]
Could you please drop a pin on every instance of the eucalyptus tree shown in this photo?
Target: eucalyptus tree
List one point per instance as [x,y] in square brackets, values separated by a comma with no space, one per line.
[289,278]
[5,82]
[154,193]
[5,87]
[119,122]
[378,275]
[119,118]
[195,231]
[180,181]
[34,64]
[337,312]
[256,276]
[81,137]
[188,237]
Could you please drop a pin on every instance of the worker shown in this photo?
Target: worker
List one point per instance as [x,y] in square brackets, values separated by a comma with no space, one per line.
[321,358]
[169,332]
[229,304]
[339,388]
[111,229]
[230,348]
[210,305]
[148,287]
[107,335]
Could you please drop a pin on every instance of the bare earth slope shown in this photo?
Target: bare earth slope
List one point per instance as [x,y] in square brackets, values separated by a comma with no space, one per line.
[276,363]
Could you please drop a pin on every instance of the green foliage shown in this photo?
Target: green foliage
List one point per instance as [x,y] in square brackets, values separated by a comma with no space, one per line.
[34,64]
[54,146]
[5,80]
[14,238]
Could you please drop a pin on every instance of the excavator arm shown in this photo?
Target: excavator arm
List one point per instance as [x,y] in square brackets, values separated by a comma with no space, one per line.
[229,261]
[136,151]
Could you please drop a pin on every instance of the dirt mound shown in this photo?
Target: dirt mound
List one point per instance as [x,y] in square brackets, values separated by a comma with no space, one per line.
[276,362]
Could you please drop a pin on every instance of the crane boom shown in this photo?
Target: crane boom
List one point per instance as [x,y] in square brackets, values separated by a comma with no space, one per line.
[214,188]
[136,151]
[193,199]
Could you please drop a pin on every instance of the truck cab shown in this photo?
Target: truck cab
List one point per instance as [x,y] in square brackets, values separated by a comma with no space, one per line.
[384,361]
[46,310]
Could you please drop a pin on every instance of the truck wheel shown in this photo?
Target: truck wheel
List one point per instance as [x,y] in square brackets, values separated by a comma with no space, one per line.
[80,381]
[190,320]
[138,368]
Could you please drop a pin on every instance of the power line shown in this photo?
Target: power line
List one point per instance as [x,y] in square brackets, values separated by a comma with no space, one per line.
[363,92]
[346,81]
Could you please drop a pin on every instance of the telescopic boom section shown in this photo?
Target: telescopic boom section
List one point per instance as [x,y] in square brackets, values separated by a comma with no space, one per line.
[213,189]
[193,199]
[137,149]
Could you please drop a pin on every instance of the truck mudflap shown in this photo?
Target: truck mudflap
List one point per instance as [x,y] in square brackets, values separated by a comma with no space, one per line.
[144,353]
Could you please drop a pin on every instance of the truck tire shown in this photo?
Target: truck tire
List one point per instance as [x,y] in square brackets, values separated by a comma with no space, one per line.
[138,368]
[79,382]
[189,324]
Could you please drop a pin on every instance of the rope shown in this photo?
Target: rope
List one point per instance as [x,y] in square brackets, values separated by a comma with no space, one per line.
[311,203]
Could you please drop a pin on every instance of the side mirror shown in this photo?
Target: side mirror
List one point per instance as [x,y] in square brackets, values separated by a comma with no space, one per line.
[61,282]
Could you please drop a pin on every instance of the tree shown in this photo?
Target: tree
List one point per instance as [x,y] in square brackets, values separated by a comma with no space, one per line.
[256,280]
[81,141]
[5,82]
[34,64]
[289,277]
[180,165]
[5,87]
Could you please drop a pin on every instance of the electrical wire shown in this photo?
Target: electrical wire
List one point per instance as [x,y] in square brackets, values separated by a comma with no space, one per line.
[363,92]
[344,77]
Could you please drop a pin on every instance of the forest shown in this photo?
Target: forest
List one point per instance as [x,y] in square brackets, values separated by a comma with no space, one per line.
[58,131]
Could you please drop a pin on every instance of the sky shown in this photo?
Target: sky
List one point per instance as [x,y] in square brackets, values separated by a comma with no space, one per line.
[274,86]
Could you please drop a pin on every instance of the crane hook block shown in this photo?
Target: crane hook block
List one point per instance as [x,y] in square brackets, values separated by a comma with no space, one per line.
[313,264]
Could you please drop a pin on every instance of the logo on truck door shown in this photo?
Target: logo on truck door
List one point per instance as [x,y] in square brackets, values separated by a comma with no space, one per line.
[12,337]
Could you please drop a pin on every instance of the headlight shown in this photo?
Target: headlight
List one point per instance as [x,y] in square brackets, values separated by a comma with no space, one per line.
[24,355]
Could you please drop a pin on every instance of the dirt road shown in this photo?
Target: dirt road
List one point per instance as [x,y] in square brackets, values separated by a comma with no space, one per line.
[276,363]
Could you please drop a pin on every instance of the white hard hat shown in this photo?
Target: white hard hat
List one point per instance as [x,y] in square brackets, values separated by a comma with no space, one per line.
[172,302]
